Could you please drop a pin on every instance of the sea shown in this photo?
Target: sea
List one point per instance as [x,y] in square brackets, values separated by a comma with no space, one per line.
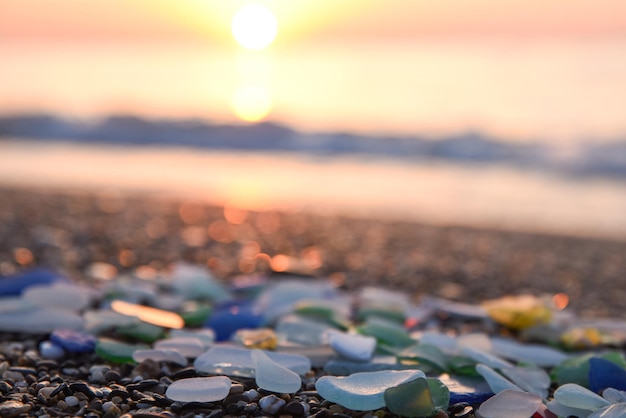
[434,191]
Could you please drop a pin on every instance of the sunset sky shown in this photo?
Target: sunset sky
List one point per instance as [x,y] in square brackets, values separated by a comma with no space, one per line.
[520,69]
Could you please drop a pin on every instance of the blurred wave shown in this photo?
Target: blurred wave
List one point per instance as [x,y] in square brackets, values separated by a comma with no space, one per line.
[584,158]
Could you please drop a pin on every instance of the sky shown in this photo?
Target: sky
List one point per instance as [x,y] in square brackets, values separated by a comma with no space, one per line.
[517,69]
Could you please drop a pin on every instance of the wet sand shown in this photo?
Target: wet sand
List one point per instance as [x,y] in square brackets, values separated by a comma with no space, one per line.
[80,233]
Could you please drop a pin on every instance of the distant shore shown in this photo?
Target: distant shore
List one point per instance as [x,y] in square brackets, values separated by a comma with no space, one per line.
[78,232]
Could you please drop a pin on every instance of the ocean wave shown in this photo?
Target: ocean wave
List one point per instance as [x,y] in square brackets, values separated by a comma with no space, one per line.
[583,159]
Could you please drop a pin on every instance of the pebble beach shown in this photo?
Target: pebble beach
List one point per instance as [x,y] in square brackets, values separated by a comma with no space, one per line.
[381,291]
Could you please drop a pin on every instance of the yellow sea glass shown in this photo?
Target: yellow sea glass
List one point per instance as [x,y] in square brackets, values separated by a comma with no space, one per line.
[518,312]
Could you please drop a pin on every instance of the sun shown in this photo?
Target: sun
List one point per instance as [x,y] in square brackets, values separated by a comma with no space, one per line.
[254,26]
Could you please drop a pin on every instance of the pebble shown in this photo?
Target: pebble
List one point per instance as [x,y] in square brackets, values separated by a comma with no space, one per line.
[199,389]
[297,408]
[271,404]
[363,391]
[307,316]
[11,408]
[71,401]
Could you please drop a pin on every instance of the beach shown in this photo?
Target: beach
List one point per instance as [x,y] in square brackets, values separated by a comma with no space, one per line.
[79,233]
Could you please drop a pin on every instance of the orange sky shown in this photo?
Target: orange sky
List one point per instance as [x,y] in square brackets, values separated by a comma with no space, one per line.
[517,68]
[349,20]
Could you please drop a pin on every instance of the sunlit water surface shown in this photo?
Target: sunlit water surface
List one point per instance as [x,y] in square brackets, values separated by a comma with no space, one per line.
[433,192]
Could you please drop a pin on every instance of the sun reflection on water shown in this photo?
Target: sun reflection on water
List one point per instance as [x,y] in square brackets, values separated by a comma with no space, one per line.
[251,103]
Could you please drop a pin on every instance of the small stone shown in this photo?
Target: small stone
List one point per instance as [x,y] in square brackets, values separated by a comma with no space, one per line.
[10,409]
[96,373]
[74,341]
[271,404]
[363,391]
[143,384]
[510,404]
[199,389]
[272,376]
[518,312]
[81,387]
[297,409]
[112,376]
[251,395]
[71,401]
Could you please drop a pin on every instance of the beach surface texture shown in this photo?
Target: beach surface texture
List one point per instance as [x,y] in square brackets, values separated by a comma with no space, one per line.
[125,305]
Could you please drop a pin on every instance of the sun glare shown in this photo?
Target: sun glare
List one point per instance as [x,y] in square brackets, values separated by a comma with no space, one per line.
[254,26]
[252,103]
